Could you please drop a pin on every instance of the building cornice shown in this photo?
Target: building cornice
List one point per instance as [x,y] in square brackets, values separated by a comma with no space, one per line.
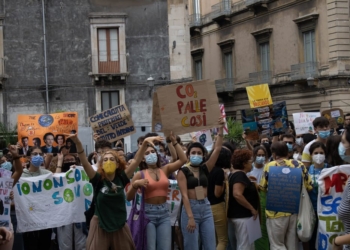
[107,15]
[306,18]
[228,42]
[265,32]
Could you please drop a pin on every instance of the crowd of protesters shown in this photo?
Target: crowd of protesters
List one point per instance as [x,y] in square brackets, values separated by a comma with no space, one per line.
[220,189]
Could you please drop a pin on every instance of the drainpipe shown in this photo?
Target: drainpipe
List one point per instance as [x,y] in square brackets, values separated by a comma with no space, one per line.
[45,59]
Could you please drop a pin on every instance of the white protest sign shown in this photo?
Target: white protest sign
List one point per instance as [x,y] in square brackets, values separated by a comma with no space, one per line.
[204,138]
[173,200]
[113,124]
[331,183]
[52,200]
[303,122]
[5,202]
[5,173]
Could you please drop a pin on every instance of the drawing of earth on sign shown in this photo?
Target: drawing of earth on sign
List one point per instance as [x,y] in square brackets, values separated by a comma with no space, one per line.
[45,120]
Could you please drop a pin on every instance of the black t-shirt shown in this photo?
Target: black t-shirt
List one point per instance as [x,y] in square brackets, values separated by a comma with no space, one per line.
[216,178]
[236,210]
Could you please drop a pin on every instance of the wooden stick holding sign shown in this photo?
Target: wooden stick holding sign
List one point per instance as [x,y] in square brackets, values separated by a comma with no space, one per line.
[113,124]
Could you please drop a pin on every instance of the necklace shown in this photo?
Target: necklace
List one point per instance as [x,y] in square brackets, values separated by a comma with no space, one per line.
[193,169]
[155,173]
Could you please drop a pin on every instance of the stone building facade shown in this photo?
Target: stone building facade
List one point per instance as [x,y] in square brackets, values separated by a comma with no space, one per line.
[301,48]
[99,53]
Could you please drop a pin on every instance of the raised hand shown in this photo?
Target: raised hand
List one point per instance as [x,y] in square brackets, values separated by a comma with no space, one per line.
[96,137]
[150,140]
[13,150]
[73,137]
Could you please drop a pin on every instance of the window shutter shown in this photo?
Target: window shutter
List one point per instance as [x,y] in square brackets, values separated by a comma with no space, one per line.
[113,37]
[102,45]
[228,65]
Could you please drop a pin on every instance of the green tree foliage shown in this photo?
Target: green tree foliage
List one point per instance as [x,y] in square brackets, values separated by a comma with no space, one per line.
[8,135]
[235,131]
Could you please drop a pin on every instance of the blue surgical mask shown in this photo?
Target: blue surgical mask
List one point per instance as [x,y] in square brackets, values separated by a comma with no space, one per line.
[37,160]
[260,160]
[324,134]
[151,159]
[6,165]
[290,147]
[341,152]
[196,160]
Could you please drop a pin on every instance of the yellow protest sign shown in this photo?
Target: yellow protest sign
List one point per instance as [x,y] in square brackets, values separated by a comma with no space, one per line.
[259,95]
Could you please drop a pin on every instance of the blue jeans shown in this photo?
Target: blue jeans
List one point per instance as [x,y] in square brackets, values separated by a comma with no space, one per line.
[159,227]
[204,226]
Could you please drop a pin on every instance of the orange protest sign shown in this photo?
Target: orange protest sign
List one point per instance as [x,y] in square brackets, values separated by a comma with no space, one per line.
[52,126]
[259,95]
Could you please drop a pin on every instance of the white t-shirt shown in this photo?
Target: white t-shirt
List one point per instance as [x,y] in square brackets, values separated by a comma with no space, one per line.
[257,173]
[306,157]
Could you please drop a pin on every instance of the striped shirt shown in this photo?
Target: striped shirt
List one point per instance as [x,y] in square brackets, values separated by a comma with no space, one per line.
[344,211]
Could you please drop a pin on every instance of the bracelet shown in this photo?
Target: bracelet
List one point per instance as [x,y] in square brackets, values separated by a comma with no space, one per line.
[168,141]
[59,167]
[133,186]
[81,152]
[221,135]
[175,144]
[335,244]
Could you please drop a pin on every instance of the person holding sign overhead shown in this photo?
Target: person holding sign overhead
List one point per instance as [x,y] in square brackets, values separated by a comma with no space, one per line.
[156,185]
[281,226]
[108,229]
[196,216]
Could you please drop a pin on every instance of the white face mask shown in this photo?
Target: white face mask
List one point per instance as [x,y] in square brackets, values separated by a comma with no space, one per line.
[319,159]
[299,141]
[296,156]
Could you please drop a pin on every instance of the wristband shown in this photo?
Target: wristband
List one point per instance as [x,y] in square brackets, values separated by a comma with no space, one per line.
[175,144]
[59,167]
[81,152]
[221,135]
[16,158]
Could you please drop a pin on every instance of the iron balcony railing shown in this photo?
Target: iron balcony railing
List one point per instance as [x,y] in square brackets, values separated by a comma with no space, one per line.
[304,70]
[260,77]
[221,9]
[206,19]
[224,85]
[254,2]
[195,20]
[239,6]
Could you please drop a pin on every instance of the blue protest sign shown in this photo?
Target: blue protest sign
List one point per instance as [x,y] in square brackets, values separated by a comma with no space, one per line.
[284,187]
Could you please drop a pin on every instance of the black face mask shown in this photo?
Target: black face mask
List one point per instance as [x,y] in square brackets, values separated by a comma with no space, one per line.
[66,166]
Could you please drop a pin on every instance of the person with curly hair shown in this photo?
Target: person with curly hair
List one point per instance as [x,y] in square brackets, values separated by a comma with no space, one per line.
[243,198]
[108,228]
[281,226]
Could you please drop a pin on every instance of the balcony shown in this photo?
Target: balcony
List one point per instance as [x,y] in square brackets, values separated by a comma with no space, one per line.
[239,6]
[251,3]
[260,77]
[111,67]
[302,71]
[224,85]
[195,21]
[3,75]
[221,10]
[206,19]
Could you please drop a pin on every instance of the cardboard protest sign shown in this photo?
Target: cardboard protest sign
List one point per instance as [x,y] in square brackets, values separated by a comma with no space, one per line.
[259,95]
[204,137]
[36,126]
[335,117]
[303,122]
[284,189]
[173,200]
[223,114]
[63,198]
[251,130]
[5,202]
[331,185]
[186,107]
[113,124]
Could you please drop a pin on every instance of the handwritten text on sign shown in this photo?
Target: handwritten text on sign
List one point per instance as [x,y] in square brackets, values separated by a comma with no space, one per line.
[331,185]
[113,124]
[186,107]
[61,197]
[5,202]
[303,122]
[284,188]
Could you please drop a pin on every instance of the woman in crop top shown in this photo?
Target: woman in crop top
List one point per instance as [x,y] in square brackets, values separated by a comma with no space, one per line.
[196,215]
[156,186]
